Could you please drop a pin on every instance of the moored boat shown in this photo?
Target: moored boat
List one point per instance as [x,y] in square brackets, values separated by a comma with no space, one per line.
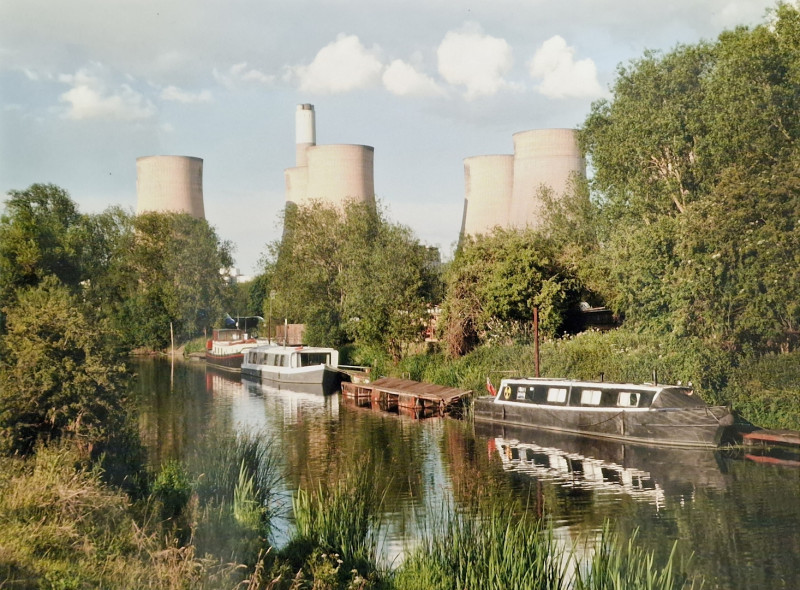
[302,365]
[646,413]
[225,349]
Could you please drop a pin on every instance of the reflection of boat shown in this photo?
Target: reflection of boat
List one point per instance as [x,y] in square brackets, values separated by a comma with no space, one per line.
[296,401]
[293,366]
[226,348]
[653,414]
[649,473]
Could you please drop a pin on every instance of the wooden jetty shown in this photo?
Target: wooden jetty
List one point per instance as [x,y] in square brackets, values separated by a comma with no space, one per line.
[404,394]
[772,437]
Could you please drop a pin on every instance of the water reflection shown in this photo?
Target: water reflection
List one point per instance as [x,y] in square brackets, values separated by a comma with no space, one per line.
[739,519]
[605,467]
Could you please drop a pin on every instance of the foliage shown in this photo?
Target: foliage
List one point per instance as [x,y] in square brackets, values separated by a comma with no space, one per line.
[56,377]
[495,282]
[62,527]
[340,518]
[695,186]
[40,235]
[171,276]
[766,390]
[350,275]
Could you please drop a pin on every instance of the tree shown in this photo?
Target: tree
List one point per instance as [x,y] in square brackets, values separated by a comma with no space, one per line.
[494,283]
[39,236]
[171,274]
[696,159]
[350,275]
[56,376]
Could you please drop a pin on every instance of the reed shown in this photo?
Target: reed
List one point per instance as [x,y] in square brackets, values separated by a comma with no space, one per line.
[490,547]
[338,519]
[616,565]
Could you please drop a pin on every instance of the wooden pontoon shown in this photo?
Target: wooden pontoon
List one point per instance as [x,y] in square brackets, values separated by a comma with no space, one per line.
[407,394]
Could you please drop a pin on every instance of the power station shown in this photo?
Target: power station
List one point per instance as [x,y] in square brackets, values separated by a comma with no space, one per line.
[504,190]
[333,174]
[170,184]
[499,190]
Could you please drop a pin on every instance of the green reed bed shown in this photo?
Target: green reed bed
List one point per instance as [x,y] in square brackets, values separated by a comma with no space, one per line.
[335,540]
[619,565]
[491,548]
[495,547]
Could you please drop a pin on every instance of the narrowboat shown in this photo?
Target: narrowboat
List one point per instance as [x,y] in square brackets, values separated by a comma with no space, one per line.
[646,413]
[301,365]
[225,349]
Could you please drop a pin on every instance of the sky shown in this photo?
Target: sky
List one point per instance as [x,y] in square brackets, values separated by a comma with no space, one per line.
[88,86]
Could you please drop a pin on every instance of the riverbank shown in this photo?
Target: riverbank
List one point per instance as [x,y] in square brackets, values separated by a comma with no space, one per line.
[764,391]
[207,526]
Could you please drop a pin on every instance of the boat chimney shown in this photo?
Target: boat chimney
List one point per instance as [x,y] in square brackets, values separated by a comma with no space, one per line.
[655,377]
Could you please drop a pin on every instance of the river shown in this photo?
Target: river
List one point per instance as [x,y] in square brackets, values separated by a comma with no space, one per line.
[737,518]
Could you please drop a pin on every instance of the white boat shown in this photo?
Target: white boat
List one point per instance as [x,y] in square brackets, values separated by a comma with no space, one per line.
[302,365]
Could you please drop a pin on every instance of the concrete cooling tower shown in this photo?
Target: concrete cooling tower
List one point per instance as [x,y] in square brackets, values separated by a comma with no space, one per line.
[333,174]
[542,157]
[488,187]
[170,184]
[504,190]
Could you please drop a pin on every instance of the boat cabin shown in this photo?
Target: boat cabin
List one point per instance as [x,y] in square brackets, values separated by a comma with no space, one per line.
[581,394]
[274,356]
[229,335]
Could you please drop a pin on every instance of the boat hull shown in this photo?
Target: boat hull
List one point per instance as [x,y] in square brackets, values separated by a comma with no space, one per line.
[691,427]
[228,362]
[320,375]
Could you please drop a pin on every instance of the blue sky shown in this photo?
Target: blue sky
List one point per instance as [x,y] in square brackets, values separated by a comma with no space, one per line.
[87,86]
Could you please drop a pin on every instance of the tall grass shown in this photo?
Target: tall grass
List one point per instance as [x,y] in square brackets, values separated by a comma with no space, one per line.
[616,565]
[62,526]
[496,547]
[491,548]
[336,524]
[234,482]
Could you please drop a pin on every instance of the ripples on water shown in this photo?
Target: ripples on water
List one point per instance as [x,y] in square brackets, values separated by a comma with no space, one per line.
[740,519]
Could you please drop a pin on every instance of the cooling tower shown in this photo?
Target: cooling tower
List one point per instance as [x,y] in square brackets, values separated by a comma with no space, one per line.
[488,187]
[296,183]
[546,157]
[338,173]
[305,132]
[170,184]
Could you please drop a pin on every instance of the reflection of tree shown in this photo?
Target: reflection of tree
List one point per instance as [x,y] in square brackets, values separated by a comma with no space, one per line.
[746,536]
[174,411]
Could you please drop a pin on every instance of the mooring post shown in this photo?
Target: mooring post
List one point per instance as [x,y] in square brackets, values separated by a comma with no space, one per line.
[536,340]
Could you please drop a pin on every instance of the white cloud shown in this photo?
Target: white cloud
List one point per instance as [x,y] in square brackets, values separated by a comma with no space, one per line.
[175,94]
[90,98]
[562,76]
[240,73]
[403,79]
[475,60]
[340,66]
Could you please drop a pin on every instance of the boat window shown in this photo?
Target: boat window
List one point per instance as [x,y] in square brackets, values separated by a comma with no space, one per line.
[521,389]
[590,397]
[538,394]
[283,360]
[271,359]
[628,399]
[308,359]
[557,395]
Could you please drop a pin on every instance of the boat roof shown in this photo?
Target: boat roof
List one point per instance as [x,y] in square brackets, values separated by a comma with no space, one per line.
[278,348]
[595,384]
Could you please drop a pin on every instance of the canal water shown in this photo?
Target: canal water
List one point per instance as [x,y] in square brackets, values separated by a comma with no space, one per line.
[739,519]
